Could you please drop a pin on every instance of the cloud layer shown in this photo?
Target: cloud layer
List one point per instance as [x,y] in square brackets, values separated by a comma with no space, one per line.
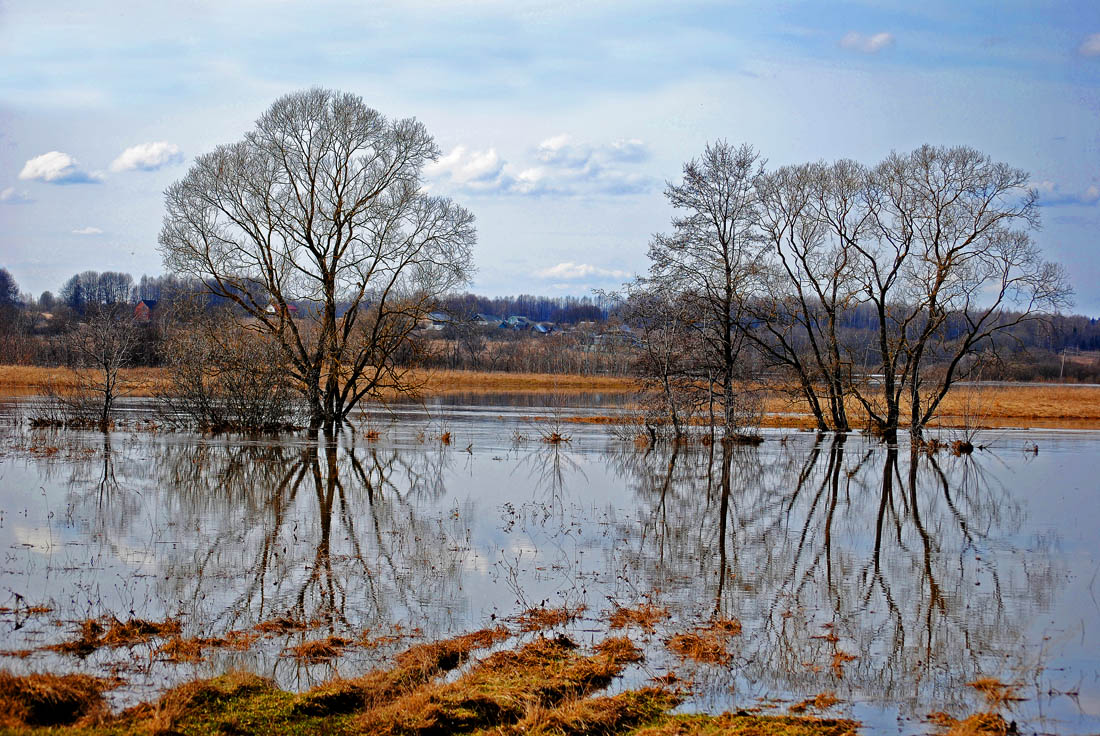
[88,231]
[56,167]
[867,44]
[1090,46]
[1051,194]
[147,157]
[570,271]
[560,167]
[12,196]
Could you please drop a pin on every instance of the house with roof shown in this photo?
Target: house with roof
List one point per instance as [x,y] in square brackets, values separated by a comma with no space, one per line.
[143,310]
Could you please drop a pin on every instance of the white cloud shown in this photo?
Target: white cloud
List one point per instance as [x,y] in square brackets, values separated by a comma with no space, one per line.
[867,44]
[465,166]
[13,196]
[56,167]
[563,167]
[568,270]
[1051,194]
[147,157]
[88,231]
[1090,46]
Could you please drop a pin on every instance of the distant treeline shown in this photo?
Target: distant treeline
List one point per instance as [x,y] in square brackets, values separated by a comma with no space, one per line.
[1063,347]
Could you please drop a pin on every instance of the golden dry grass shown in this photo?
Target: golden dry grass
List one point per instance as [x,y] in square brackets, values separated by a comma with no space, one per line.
[821,701]
[979,724]
[1054,405]
[319,650]
[536,619]
[546,687]
[49,700]
[644,617]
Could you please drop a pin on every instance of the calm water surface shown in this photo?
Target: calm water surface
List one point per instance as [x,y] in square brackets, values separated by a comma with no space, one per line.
[929,571]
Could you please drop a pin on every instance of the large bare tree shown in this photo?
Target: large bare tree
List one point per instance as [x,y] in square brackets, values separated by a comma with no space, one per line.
[316,226]
[948,263]
[710,255]
[933,247]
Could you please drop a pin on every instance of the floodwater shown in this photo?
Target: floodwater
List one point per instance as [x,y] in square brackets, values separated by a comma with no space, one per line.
[888,578]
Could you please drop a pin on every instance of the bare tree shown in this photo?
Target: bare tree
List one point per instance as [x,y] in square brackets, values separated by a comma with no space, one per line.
[948,264]
[710,256]
[99,348]
[319,211]
[808,216]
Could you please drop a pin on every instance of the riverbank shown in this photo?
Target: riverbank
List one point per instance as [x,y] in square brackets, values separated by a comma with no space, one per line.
[1048,406]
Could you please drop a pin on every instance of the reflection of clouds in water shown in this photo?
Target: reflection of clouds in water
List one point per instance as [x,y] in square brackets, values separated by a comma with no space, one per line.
[40,540]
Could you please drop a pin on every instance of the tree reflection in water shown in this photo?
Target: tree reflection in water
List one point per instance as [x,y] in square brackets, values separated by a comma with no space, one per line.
[820,546]
[847,548]
[318,531]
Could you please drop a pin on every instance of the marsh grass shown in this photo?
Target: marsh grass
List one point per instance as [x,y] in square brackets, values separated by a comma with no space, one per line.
[706,644]
[319,650]
[544,687]
[92,635]
[50,700]
[536,619]
[979,724]
[644,616]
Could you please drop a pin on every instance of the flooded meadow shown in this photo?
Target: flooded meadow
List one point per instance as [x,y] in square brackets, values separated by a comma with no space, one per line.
[887,583]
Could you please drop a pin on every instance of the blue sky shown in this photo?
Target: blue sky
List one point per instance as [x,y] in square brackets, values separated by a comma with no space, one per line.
[559,122]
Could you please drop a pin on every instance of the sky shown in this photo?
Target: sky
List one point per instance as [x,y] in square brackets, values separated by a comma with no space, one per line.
[559,122]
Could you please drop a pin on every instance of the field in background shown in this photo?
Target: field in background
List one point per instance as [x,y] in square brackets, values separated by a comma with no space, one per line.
[996,405]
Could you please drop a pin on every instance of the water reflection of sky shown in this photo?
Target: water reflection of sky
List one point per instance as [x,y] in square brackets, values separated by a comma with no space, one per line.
[930,574]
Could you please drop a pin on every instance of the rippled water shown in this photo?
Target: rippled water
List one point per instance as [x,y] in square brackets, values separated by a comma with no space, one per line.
[929,571]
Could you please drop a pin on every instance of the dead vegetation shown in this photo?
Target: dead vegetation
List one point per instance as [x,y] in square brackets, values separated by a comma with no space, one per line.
[706,644]
[821,701]
[93,635]
[191,650]
[319,650]
[996,693]
[504,688]
[50,700]
[281,625]
[546,687]
[748,724]
[644,617]
[537,619]
[979,724]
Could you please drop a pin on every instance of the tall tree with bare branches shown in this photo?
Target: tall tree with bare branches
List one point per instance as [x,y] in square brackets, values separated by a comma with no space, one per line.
[316,226]
[709,256]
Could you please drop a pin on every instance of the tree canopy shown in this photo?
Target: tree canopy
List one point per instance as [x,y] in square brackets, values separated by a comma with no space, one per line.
[321,205]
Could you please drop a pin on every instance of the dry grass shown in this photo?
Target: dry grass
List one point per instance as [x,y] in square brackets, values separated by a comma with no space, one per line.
[995,692]
[839,660]
[821,701]
[191,650]
[545,687]
[503,689]
[748,724]
[979,724]
[644,617]
[92,635]
[708,647]
[707,644]
[413,668]
[281,625]
[319,650]
[536,619]
[50,700]
[602,715]
[1054,405]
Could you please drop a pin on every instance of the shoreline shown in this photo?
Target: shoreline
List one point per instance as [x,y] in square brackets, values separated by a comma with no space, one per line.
[968,406]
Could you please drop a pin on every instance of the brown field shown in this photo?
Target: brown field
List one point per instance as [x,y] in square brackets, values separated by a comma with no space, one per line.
[1055,405]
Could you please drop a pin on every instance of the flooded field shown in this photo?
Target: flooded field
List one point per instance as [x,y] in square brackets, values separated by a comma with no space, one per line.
[890,579]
